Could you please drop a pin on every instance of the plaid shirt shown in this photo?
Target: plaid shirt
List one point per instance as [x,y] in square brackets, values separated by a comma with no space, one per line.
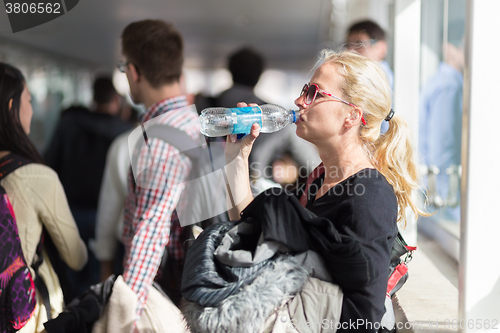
[147,220]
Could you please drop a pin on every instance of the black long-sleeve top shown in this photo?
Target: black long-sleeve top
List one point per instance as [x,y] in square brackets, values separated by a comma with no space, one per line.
[364,208]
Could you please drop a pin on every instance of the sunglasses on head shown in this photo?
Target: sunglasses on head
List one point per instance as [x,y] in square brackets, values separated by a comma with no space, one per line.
[311,91]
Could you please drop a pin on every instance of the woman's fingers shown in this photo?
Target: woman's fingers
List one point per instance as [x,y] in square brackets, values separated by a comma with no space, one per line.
[254,133]
[247,140]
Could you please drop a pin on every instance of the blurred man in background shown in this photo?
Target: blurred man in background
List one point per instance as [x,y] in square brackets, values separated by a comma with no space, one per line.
[246,67]
[77,152]
[107,245]
[153,54]
[368,39]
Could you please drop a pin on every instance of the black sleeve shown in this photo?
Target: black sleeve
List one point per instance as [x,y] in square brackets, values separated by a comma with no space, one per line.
[367,225]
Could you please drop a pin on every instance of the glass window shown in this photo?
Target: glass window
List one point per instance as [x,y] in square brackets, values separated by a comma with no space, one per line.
[440,114]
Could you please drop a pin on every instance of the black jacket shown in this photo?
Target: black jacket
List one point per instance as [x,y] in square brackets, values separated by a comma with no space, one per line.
[77,152]
[352,231]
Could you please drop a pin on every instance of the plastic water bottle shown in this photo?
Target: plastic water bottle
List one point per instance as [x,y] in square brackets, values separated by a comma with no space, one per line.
[223,121]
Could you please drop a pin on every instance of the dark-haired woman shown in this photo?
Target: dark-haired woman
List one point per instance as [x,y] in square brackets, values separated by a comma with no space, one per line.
[36,194]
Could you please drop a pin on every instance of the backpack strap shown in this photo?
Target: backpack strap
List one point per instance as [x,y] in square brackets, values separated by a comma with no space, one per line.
[174,137]
[398,269]
[39,283]
[8,164]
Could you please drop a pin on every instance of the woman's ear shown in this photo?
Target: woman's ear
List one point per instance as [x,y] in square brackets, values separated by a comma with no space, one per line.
[10,104]
[354,118]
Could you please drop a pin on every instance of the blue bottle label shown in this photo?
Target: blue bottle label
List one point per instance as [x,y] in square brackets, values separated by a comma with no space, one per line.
[244,118]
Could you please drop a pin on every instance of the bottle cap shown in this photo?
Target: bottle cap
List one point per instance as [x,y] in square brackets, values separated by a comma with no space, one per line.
[296,115]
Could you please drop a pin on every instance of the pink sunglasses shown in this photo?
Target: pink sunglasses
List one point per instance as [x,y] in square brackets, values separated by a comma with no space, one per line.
[310,95]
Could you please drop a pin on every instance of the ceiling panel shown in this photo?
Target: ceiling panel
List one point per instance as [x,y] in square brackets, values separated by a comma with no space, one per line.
[289,33]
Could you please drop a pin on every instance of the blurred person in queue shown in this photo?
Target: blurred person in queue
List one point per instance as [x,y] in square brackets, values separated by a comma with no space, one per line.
[369,39]
[37,198]
[153,52]
[77,152]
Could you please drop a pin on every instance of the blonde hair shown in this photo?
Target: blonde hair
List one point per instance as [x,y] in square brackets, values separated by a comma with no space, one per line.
[364,84]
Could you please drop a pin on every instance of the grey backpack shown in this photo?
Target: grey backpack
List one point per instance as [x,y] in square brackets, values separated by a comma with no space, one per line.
[204,195]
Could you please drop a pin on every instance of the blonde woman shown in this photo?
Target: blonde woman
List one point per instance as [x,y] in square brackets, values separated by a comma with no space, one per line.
[364,184]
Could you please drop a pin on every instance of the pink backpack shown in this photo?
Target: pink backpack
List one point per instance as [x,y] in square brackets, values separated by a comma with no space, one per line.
[17,289]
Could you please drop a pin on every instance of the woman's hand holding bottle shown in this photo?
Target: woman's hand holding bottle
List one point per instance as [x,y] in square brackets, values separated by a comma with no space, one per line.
[245,144]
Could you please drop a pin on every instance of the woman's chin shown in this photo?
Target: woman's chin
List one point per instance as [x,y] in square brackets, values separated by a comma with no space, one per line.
[300,132]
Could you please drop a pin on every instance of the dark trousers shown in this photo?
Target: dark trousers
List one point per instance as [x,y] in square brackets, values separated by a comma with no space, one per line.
[79,282]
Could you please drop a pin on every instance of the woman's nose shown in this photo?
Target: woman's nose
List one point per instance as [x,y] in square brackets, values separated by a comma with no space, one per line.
[299,101]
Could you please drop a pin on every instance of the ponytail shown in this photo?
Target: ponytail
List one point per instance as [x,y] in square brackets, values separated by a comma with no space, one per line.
[393,155]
